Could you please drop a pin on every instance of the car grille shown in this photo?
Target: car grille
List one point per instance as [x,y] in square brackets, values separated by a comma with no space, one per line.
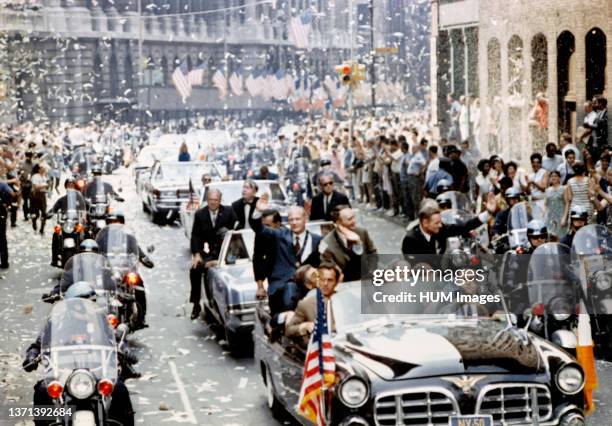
[416,408]
[512,404]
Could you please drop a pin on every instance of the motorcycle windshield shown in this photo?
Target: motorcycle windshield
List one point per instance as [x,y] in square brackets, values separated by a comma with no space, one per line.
[98,192]
[80,163]
[551,279]
[592,251]
[119,247]
[77,336]
[520,215]
[92,268]
[455,217]
[459,200]
[74,207]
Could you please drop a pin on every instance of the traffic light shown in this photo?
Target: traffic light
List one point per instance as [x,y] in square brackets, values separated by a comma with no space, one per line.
[344,72]
[351,73]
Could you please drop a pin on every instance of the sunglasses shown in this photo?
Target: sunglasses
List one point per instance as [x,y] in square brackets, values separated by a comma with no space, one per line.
[538,237]
[327,183]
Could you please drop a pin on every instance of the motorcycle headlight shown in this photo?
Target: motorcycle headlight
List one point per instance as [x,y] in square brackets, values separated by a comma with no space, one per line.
[81,384]
[603,281]
[353,392]
[561,317]
[68,227]
[561,309]
[570,379]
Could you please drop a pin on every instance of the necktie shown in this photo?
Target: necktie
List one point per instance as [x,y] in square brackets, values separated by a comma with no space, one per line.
[247,214]
[213,218]
[325,203]
[296,246]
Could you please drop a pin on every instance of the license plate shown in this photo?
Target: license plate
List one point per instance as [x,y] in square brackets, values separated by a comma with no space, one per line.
[470,421]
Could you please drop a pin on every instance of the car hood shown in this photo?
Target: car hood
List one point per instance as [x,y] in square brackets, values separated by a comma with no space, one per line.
[399,352]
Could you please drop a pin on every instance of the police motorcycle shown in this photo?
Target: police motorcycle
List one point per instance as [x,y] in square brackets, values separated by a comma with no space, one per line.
[592,259]
[516,240]
[123,254]
[80,167]
[70,228]
[108,161]
[79,353]
[553,291]
[98,195]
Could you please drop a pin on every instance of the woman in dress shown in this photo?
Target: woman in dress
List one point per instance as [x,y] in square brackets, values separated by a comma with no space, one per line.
[538,180]
[555,205]
[578,192]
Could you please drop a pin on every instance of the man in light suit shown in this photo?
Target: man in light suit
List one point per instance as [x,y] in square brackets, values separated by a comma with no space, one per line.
[245,207]
[206,240]
[324,202]
[295,246]
[302,322]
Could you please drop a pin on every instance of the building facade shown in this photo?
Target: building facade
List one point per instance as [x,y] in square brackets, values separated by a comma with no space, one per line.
[505,53]
[81,60]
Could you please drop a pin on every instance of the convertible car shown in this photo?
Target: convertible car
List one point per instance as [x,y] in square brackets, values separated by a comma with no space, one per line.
[229,288]
[166,188]
[427,370]
[232,191]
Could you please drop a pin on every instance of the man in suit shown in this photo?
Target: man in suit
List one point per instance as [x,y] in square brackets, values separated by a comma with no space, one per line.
[264,250]
[301,324]
[245,207]
[324,202]
[206,242]
[295,246]
[430,236]
[347,244]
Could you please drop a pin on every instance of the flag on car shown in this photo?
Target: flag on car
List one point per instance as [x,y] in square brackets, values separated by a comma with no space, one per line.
[319,368]
[196,75]
[299,29]
[180,81]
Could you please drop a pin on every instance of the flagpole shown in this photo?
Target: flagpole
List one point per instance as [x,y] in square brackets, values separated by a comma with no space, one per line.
[373,58]
[350,97]
[225,68]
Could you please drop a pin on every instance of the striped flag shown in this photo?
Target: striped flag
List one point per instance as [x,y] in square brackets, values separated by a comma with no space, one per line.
[251,84]
[220,82]
[319,368]
[196,75]
[299,29]
[236,83]
[180,81]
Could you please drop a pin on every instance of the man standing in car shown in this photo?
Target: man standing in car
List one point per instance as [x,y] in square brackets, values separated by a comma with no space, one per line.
[245,207]
[324,202]
[206,238]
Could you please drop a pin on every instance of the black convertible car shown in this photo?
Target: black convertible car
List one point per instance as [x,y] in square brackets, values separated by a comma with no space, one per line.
[428,370]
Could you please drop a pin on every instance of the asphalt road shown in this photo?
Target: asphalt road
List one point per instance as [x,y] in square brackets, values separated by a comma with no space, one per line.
[187,376]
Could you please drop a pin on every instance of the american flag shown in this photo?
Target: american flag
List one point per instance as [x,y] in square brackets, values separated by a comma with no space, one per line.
[180,81]
[251,83]
[319,369]
[299,29]
[236,83]
[220,82]
[196,75]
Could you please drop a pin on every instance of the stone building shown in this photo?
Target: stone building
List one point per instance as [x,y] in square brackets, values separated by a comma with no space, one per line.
[505,52]
[87,53]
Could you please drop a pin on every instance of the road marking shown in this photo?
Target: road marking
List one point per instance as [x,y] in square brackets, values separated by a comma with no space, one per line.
[243,382]
[184,399]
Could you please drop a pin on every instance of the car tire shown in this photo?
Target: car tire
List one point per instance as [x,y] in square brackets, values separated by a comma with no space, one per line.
[238,344]
[157,218]
[275,406]
[145,208]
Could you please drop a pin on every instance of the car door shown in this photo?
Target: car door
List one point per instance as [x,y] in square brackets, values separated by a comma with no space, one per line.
[292,370]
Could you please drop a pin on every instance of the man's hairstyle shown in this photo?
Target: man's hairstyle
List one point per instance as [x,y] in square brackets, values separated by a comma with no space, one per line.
[428,208]
[433,149]
[482,163]
[276,217]
[214,190]
[605,157]
[551,145]
[326,176]
[251,184]
[335,213]
[330,265]
[300,275]
[569,152]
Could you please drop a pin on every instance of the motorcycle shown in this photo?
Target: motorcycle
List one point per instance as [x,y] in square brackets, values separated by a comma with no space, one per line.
[463,249]
[122,252]
[516,238]
[80,166]
[552,290]
[70,228]
[592,257]
[108,162]
[98,196]
[79,356]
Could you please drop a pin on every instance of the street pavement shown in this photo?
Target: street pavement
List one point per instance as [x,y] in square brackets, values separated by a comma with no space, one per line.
[188,377]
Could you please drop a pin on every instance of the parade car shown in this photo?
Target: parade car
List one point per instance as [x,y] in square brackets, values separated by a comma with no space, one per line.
[432,369]
[146,159]
[229,287]
[232,191]
[172,183]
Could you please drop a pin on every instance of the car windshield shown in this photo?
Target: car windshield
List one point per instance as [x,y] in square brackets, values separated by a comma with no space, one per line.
[233,191]
[240,247]
[186,170]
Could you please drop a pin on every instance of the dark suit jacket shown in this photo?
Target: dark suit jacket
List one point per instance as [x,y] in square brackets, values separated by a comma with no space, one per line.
[204,232]
[238,207]
[333,250]
[316,210]
[284,266]
[263,255]
[416,243]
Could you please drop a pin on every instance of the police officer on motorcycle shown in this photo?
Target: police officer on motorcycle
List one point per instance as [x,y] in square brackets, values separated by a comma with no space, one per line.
[578,219]
[92,187]
[512,197]
[537,234]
